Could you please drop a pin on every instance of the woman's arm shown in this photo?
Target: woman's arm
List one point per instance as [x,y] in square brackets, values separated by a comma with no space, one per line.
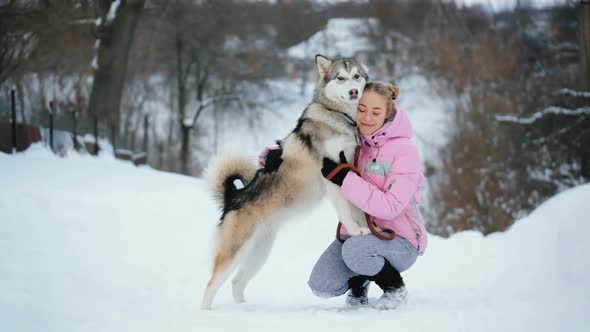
[401,183]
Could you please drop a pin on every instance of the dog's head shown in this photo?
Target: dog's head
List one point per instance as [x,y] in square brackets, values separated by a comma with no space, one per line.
[341,82]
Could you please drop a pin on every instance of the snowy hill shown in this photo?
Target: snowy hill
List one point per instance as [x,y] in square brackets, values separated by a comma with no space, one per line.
[340,37]
[95,244]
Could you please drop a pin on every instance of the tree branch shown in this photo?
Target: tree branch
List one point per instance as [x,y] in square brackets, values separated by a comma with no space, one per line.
[210,102]
[539,115]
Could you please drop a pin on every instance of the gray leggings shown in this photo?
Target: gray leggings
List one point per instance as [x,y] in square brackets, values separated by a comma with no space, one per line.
[358,255]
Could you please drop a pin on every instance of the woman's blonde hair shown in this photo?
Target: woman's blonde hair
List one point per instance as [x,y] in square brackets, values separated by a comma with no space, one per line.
[389,91]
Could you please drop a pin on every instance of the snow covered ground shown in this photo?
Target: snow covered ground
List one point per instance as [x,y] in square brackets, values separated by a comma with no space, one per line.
[95,244]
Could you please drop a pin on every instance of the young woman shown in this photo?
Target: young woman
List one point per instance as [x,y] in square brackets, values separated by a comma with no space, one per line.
[387,188]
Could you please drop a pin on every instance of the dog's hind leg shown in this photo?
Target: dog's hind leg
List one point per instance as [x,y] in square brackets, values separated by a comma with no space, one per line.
[233,235]
[221,271]
[254,259]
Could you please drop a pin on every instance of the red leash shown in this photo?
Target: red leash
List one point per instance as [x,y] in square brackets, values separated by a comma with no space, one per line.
[370,222]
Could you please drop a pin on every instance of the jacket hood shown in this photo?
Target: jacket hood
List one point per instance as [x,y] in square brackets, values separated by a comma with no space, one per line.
[399,127]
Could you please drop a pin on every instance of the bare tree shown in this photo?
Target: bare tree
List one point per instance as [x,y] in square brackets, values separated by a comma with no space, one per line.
[116,25]
[17,43]
[584,18]
[216,48]
[50,39]
[518,139]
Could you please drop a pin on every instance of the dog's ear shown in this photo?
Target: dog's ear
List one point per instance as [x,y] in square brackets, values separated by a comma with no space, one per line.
[323,64]
[365,69]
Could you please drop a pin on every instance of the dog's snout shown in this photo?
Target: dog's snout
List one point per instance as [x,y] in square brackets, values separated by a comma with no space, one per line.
[353,92]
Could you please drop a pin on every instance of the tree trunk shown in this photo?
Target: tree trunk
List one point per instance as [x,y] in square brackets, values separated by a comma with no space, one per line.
[21,99]
[115,36]
[584,18]
[181,85]
[185,150]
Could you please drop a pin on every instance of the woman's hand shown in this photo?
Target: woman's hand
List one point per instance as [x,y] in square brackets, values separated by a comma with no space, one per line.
[339,169]
[270,159]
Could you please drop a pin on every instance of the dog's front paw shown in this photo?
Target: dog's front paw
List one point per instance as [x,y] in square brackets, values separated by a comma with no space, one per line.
[354,232]
[365,231]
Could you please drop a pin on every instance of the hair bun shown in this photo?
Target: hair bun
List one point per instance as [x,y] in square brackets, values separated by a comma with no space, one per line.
[394,91]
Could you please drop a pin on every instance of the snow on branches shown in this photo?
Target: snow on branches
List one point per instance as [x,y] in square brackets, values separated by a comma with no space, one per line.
[538,115]
[113,10]
[574,93]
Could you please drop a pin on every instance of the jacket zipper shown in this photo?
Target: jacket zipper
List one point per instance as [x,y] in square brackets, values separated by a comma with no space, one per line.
[415,231]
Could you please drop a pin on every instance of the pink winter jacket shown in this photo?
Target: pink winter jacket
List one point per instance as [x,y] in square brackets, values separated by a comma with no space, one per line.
[390,181]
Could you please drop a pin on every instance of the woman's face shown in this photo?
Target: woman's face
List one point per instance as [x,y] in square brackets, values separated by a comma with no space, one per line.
[371,112]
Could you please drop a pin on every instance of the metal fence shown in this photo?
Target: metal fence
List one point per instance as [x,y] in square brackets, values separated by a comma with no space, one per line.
[60,130]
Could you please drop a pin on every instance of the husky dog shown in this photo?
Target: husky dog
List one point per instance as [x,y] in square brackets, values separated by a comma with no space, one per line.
[252,213]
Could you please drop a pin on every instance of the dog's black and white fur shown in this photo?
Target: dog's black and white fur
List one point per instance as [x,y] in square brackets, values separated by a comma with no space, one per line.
[251,215]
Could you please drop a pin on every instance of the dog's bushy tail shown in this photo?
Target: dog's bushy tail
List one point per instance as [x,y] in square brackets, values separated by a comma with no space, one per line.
[223,172]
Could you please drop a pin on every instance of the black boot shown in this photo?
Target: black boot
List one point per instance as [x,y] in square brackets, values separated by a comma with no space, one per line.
[359,287]
[392,284]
